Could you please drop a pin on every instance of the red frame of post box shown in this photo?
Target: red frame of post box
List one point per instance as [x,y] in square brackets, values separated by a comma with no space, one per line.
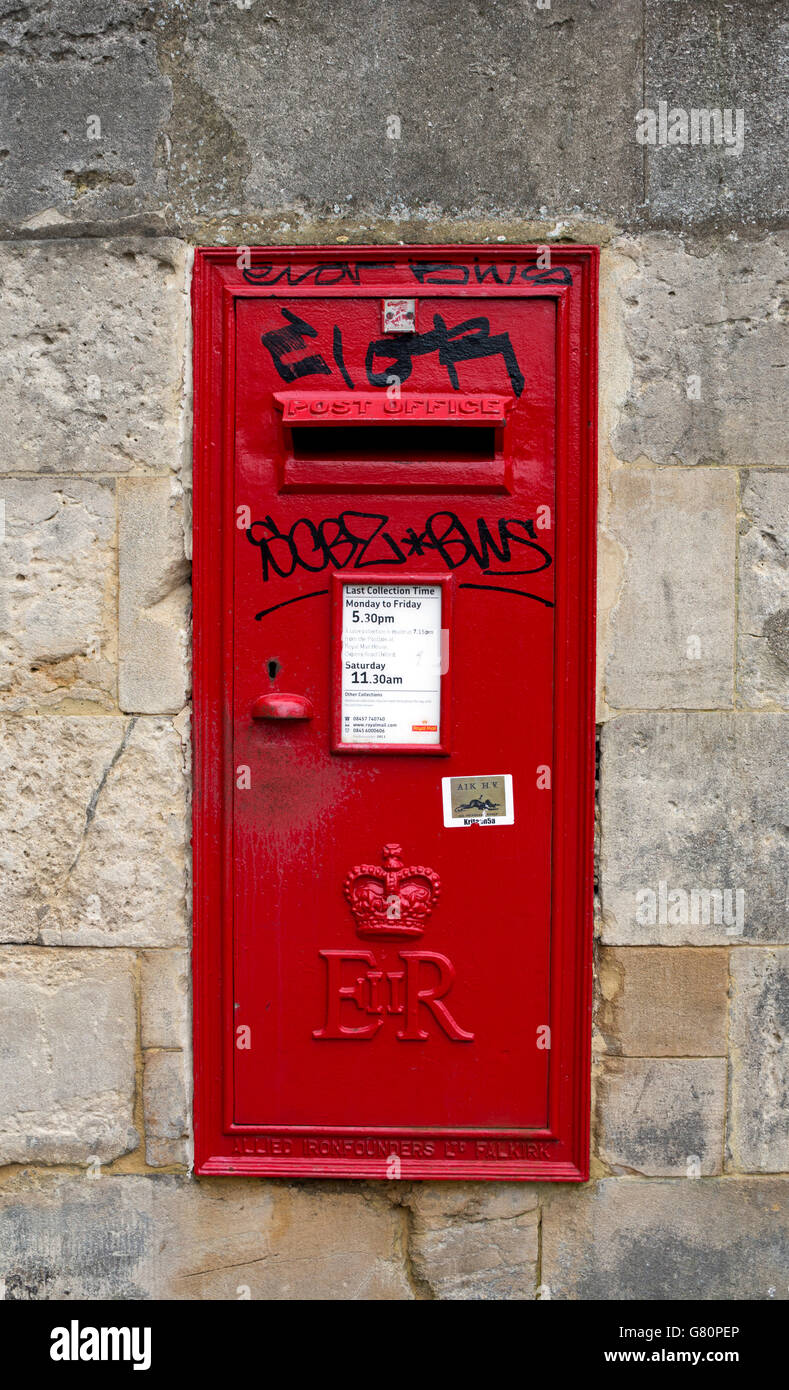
[322,272]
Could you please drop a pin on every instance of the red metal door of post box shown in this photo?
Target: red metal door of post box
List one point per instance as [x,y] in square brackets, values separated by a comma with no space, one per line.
[394,482]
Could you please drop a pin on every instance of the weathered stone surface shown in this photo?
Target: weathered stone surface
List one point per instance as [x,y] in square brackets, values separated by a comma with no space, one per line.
[92,832]
[231,109]
[302,104]
[67,1028]
[154,597]
[710,1239]
[758,1137]
[169,1237]
[615,271]
[164,998]
[662,1002]
[708,53]
[91,353]
[473,1242]
[216,114]
[715,312]
[165,1108]
[693,802]
[57,595]
[763,617]
[283,1243]
[65,66]
[662,1117]
[672,630]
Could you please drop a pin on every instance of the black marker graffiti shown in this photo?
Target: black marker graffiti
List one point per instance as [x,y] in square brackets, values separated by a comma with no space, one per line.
[361,540]
[339,356]
[424,272]
[315,593]
[466,342]
[292,338]
[328,273]
[452,273]
[500,589]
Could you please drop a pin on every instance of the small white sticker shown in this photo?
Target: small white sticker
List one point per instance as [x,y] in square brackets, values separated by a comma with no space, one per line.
[482,800]
[399,315]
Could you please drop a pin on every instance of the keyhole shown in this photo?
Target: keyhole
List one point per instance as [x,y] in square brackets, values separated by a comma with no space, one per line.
[273,667]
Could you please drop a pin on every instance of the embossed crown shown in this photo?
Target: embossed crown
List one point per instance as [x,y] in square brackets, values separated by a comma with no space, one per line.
[394,900]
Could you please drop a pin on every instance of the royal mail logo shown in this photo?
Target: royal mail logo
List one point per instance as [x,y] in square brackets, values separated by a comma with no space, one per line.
[389,902]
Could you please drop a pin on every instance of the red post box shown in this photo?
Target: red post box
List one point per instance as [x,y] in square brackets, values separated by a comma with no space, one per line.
[394,719]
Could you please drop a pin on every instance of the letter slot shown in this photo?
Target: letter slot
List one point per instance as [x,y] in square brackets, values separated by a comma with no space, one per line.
[423,443]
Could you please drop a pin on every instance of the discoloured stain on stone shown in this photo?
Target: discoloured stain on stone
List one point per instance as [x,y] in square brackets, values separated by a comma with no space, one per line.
[759,1090]
[662,1117]
[709,1239]
[662,1002]
[175,1238]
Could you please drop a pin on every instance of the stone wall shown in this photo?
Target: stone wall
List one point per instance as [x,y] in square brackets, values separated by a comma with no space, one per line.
[135,131]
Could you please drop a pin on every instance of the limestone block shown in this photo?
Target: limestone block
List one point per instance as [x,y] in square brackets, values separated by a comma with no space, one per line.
[710,1239]
[703,55]
[240,81]
[92,832]
[662,1001]
[84,107]
[693,804]
[704,328]
[67,1037]
[672,629]
[662,1117]
[91,355]
[759,1088]
[164,1002]
[166,1108]
[282,1242]
[474,1241]
[763,618]
[162,1237]
[154,597]
[57,595]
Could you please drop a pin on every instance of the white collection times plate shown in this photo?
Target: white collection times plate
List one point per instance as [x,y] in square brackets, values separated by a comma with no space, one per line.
[391,664]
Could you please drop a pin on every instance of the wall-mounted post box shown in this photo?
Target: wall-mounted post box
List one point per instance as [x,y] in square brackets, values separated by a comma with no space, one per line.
[394,574]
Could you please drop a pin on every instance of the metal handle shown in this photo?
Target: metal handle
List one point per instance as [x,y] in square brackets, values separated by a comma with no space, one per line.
[278,705]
